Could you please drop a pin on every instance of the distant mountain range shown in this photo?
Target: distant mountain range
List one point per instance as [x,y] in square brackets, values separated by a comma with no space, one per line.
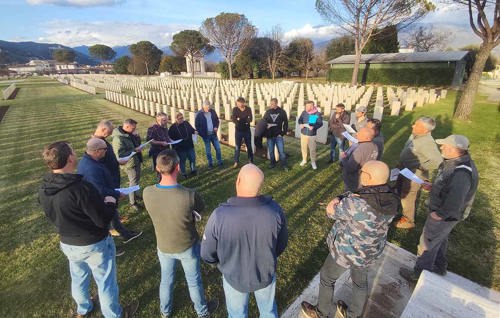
[23,52]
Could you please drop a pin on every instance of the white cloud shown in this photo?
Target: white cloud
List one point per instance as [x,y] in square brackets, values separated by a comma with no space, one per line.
[313,32]
[76,3]
[74,33]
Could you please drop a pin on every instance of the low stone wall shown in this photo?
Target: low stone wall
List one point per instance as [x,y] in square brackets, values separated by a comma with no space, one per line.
[9,91]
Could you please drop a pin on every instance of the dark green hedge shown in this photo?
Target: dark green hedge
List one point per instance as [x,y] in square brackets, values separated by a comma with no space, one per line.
[410,74]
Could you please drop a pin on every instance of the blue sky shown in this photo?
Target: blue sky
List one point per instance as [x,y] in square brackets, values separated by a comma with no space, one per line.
[122,22]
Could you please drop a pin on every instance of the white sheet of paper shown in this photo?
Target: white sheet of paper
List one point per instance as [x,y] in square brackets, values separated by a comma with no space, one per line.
[349,129]
[145,144]
[127,158]
[128,190]
[195,138]
[348,136]
[394,174]
[173,142]
[411,176]
[197,216]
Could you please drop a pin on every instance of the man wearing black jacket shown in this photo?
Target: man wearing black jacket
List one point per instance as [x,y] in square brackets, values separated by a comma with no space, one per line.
[81,218]
[242,117]
[277,126]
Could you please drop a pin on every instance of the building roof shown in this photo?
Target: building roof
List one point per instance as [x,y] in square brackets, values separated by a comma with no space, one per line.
[416,57]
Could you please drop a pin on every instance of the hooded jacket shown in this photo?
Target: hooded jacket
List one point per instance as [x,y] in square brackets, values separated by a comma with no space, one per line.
[76,208]
[362,219]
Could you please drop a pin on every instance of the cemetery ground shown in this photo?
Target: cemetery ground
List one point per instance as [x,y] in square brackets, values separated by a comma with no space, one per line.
[35,278]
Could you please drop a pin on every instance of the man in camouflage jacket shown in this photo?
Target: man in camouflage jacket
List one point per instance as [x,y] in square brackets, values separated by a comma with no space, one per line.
[356,240]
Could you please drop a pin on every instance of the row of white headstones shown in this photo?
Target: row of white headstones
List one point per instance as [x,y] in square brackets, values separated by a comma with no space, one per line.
[174,94]
[7,93]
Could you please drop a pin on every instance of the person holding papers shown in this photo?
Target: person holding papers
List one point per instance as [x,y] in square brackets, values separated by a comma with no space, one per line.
[94,172]
[158,134]
[309,122]
[450,201]
[182,130]
[125,141]
[172,209]
[421,156]
[356,156]
[335,129]
[356,241]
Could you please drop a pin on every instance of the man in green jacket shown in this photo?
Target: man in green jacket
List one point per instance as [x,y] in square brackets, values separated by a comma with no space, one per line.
[420,155]
[125,141]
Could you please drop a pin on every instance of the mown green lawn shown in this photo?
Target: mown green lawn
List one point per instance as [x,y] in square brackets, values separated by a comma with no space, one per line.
[35,278]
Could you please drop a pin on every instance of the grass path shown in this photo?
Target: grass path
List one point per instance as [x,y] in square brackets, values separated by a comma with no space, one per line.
[35,278]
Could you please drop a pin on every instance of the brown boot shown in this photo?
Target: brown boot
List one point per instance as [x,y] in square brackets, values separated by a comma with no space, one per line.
[405,223]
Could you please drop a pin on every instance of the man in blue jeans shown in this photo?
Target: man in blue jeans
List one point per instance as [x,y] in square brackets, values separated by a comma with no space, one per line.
[82,218]
[173,210]
[206,123]
[242,117]
[277,126]
[244,237]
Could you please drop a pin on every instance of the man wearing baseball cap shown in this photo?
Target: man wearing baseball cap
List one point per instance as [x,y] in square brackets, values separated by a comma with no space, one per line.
[450,200]
[361,119]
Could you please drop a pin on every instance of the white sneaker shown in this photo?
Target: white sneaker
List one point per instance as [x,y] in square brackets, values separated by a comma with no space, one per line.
[313,164]
[303,163]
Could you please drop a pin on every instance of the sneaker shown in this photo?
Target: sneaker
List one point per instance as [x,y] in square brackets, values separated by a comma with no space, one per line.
[130,310]
[132,235]
[308,310]
[221,164]
[235,165]
[286,168]
[341,309]
[119,252]
[331,160]
[212,307]
[194,173]
[272,165]
[405,223]
[313,165]
[114,233]
[210,166]
[303,163]
[410,275]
